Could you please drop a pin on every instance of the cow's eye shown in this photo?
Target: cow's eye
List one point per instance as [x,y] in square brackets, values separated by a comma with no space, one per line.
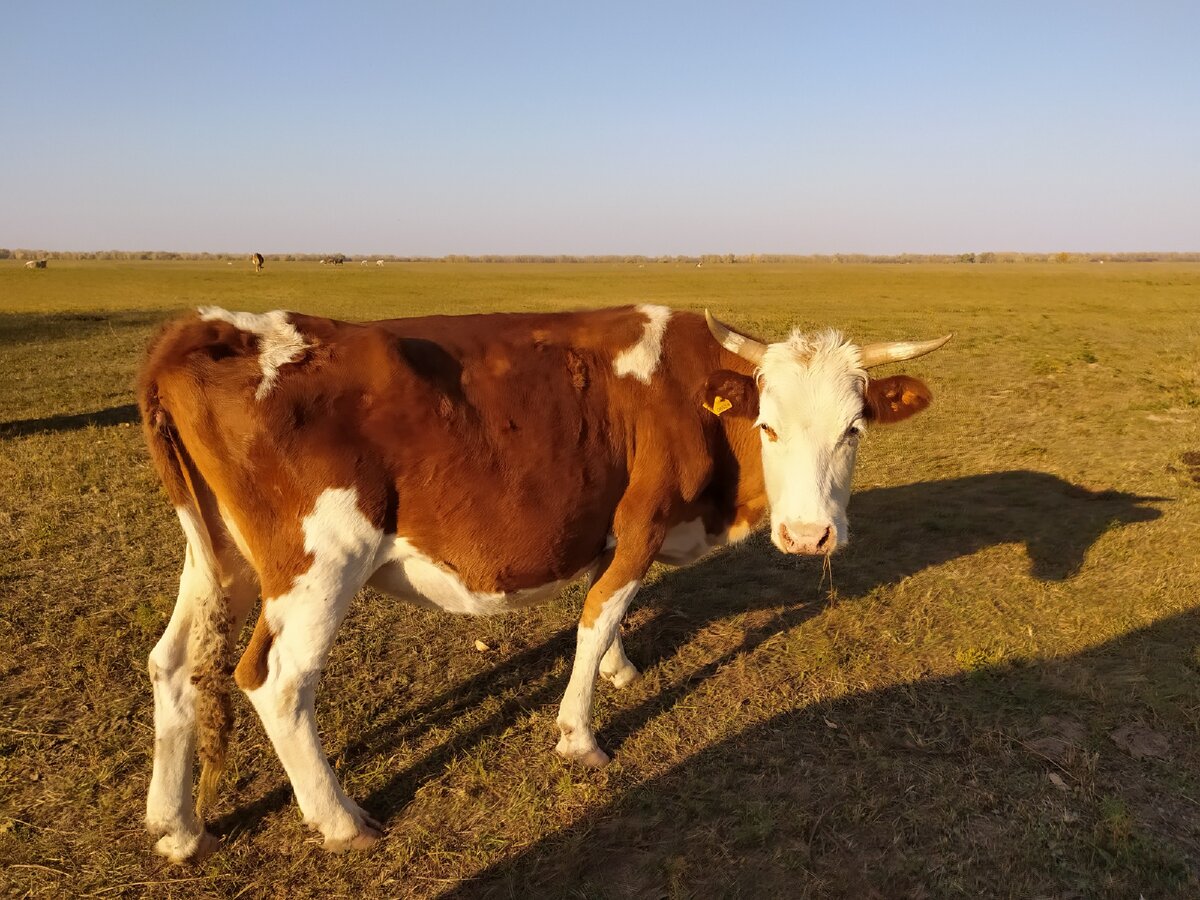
[769,432]
[853,432]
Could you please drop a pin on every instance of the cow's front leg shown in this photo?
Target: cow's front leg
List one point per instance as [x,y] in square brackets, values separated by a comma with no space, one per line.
[639,529]
[598,627]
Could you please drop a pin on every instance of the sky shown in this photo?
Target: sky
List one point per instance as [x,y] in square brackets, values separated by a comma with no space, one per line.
[656,128]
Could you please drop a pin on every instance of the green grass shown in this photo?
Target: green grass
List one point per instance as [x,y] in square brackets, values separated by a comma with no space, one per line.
[1011,597]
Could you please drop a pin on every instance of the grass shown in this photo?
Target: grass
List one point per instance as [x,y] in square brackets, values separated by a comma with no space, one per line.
[1022,582]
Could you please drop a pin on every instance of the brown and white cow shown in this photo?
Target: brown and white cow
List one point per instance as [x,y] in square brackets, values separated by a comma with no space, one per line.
[476,464]
[256,260]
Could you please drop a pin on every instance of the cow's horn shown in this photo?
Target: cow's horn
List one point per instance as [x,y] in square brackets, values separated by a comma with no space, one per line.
[898,351]
[747,348]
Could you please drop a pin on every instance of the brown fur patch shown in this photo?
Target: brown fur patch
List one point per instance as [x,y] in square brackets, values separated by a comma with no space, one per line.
[895,398]
[251,671]
[512,477]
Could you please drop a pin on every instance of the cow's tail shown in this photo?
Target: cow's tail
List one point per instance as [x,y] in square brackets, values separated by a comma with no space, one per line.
[210,637]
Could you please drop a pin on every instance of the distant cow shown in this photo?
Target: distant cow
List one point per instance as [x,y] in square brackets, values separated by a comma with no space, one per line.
[307,457]
[36,264]
[257,260]
[379,262]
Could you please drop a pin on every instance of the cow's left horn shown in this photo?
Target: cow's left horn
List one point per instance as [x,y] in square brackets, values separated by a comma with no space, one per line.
[747,348]
[898,351]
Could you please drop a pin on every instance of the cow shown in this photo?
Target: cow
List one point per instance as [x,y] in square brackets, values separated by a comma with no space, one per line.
[475,464]
[256,260]
[36,264]
[379,262]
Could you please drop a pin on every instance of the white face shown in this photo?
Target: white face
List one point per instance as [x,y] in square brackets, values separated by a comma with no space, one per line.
[810,417]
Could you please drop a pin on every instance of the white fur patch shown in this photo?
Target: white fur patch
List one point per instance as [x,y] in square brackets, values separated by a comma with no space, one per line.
[641,360]
[407,573]
[810,393]
[591,645]
[279,342]
[686,543]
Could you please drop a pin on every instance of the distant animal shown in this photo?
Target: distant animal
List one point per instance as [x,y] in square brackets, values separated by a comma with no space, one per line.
[379,262]
[36,264]
[257,260]
[362,262]
[306,457]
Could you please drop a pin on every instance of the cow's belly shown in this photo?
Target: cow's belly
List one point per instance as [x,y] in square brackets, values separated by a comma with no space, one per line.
[687,542]
[408,574]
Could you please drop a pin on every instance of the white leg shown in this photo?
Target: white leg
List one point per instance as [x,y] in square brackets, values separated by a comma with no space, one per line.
[615,665]
[169,808]
[592,642]
[303,623]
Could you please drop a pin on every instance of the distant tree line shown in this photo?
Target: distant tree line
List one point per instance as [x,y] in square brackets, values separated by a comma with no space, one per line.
[701,259]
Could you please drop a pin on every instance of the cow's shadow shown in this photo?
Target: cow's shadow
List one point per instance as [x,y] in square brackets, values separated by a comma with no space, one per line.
[941,787]
[898,531]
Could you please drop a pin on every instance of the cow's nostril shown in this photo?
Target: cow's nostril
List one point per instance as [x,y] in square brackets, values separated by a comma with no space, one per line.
[824,538]
[785,536]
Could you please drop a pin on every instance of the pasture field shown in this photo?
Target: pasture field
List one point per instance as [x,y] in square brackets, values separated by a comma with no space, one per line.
[997,695]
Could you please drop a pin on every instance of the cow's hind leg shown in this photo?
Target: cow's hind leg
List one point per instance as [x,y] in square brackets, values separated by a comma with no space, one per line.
[203,596]
[282,665]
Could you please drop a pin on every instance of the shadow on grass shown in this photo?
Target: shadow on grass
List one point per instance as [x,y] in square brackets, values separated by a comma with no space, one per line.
[115,415]
[48,328]
[961,786]
[899,531]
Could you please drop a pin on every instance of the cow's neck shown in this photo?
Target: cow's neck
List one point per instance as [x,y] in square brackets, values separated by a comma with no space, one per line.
[749,501]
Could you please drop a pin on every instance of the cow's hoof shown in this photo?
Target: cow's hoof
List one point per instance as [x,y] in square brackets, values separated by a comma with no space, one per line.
[623,677]
[592,756]
[186,847]
[366,837]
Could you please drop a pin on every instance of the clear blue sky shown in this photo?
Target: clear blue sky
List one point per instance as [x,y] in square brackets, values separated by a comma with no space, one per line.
[451,127]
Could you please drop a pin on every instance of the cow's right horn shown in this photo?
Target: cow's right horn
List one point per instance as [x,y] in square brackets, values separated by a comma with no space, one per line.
[747,348]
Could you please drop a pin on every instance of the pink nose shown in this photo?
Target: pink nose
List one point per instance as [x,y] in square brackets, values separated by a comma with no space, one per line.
[808,538]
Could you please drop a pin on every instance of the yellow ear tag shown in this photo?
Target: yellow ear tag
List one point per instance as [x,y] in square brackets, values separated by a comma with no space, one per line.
[719,405]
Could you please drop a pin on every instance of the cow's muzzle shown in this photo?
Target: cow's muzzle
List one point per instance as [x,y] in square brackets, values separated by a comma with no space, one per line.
[807,538]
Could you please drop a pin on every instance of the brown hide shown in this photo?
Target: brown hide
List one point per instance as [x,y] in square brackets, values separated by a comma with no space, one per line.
[498,445]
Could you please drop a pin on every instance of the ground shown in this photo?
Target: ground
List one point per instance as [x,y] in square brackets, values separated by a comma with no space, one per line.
[994,693]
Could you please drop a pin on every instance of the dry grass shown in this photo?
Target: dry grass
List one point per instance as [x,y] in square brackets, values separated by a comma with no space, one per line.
[936,726]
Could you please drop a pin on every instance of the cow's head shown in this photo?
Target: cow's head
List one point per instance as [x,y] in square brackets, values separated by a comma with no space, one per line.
[811,399]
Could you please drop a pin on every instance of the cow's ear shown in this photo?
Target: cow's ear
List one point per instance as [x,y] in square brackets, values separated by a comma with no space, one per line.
[895,398]
[727,393]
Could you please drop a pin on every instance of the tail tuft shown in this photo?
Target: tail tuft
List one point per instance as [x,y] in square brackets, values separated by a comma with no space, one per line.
[211,651]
